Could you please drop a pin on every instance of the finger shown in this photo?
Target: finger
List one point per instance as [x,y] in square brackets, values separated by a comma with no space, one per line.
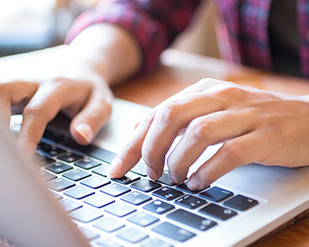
[202,132]
[232,154]
[130,155]
[170,120]
[93,116]
[44,106]
[15,93]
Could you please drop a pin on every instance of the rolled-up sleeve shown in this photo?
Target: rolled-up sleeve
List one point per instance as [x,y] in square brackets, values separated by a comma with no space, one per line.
[153,23]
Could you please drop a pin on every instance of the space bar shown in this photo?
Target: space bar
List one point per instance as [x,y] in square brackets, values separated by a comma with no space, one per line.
[93,151]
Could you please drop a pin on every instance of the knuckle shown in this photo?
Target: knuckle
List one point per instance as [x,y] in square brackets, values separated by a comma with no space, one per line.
[234,152]
[34,110]
[169,113]
[198,128]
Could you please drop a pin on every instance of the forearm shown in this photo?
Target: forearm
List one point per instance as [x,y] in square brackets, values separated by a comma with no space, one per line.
[103,51]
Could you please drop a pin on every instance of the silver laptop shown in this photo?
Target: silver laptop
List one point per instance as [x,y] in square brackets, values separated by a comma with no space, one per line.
[64,199]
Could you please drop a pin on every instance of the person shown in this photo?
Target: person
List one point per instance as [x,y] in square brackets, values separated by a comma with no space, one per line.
[120,39]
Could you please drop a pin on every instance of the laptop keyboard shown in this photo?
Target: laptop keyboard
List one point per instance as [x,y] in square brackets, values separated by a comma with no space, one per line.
[132,210]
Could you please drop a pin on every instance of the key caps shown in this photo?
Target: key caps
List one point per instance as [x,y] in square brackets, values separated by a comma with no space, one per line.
[87,163]
[85,215]
[132,235]
[43,160]
[174,232]
[184,187]
[50,149]
[115,189]
[60,184]
[58,167]
[155,242]
[165,179]
[108,243]
[108,224]
[70,157]
[93,151]
[167,193]
[95,182]
[127,179]
[79,192]
[216,194]
[240,202]
[101,170]
[143,219]
[46,176]
[191,202]
[76,174]
[158,207]
[89,234]
[120,209]
[99,200]
[136,198]
[218,212]
[191,219]
[69,205]
[146,185]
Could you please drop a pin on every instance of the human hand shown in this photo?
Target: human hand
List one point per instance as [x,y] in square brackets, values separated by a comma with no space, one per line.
[88,103]
[252,125]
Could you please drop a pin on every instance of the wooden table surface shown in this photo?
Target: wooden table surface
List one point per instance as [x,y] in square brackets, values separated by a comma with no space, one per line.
[177,71]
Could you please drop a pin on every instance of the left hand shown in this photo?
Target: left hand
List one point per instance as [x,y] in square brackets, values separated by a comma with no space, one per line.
[253,125]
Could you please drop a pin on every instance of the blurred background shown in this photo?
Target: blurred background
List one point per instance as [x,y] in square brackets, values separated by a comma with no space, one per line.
[36,24]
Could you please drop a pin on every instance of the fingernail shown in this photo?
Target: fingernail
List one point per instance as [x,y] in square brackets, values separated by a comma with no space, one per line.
[193,184]
[115,167]
[85,131]
[175,179]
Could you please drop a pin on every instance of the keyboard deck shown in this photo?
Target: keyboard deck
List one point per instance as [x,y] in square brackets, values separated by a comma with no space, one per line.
[132,210]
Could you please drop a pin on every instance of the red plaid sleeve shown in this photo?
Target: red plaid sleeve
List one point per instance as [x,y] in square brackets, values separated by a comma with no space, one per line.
[153,23]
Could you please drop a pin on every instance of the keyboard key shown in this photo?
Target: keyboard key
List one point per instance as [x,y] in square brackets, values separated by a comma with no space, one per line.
[46,176]
[43,160]
[101,170]
[132,235]
[89,234]
[76,174]
[79,192]
[85,215]
[70,157]
[167,193]
[58,167]
[108,243]
[216,194]
[155,242]
[139,169]
[143,219]
[115,189]
[165,179]
[93,151]
[108,224]
[60,184]
[136,198]
[174,232]
[184,187]
[191,202]
[70,205]
[95,182]
[127,179]
[158,207]
[191,219]
[99,200]
[87,163]
[146,185]
[50,149]
[120,209]
[240,202]
[218,212]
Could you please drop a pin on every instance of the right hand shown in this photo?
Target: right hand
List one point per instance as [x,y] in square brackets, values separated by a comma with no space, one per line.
[88,103]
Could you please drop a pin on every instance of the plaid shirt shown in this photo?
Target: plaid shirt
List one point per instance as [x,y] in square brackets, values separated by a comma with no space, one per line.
[156,23]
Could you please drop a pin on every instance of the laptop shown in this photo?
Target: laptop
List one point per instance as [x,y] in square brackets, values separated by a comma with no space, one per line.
[64,198]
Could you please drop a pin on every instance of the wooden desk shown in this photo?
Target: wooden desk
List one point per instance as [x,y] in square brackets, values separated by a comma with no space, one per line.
[177,71]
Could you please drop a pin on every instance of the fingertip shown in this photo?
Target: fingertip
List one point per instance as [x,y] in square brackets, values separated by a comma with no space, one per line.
[85,133]
[115,168]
